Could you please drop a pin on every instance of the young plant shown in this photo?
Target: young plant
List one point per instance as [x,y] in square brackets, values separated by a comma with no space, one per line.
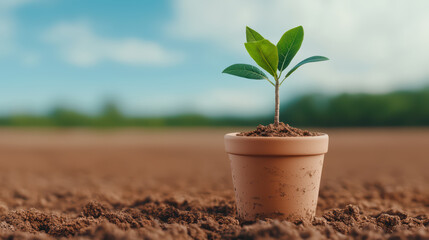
[273,59]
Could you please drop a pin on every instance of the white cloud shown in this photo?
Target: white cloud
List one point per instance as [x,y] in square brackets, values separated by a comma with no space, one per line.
[30,58]
[78,44]
[7,25]
[6,34]
[246,102]
[373,45]
[211,102]
[8,31]
[9,4]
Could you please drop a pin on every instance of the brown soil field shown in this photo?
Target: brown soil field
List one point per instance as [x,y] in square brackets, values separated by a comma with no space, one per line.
[176,184]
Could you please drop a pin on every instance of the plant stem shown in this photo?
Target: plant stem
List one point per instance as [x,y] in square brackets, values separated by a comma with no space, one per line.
[277,109]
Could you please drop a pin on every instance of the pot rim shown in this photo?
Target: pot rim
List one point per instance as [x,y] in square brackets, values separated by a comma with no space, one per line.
[276,146]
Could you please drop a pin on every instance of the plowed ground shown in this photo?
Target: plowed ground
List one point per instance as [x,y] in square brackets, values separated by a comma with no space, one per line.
[176,184]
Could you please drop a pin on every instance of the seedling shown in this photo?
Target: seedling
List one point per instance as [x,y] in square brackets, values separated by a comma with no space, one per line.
[273,59]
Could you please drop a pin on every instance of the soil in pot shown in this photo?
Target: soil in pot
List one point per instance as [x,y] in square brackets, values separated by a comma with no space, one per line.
[282,130]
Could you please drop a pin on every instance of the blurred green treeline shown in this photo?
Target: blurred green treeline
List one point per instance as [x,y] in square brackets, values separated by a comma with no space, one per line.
[400,108]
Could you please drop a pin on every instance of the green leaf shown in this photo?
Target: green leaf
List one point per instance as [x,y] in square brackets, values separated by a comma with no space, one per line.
[308,60]
[245,71]
[252,35]
[289,45]
[265,55]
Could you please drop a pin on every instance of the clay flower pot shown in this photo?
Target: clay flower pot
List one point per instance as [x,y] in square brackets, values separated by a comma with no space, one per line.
[276,177]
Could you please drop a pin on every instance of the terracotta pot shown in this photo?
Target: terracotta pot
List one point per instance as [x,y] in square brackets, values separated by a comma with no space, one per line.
[276,177]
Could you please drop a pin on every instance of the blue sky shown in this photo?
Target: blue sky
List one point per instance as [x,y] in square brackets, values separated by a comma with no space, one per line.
[165,57]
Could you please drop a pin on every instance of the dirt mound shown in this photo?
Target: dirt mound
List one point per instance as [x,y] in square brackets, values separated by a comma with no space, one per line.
[215,218]
[282,130]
